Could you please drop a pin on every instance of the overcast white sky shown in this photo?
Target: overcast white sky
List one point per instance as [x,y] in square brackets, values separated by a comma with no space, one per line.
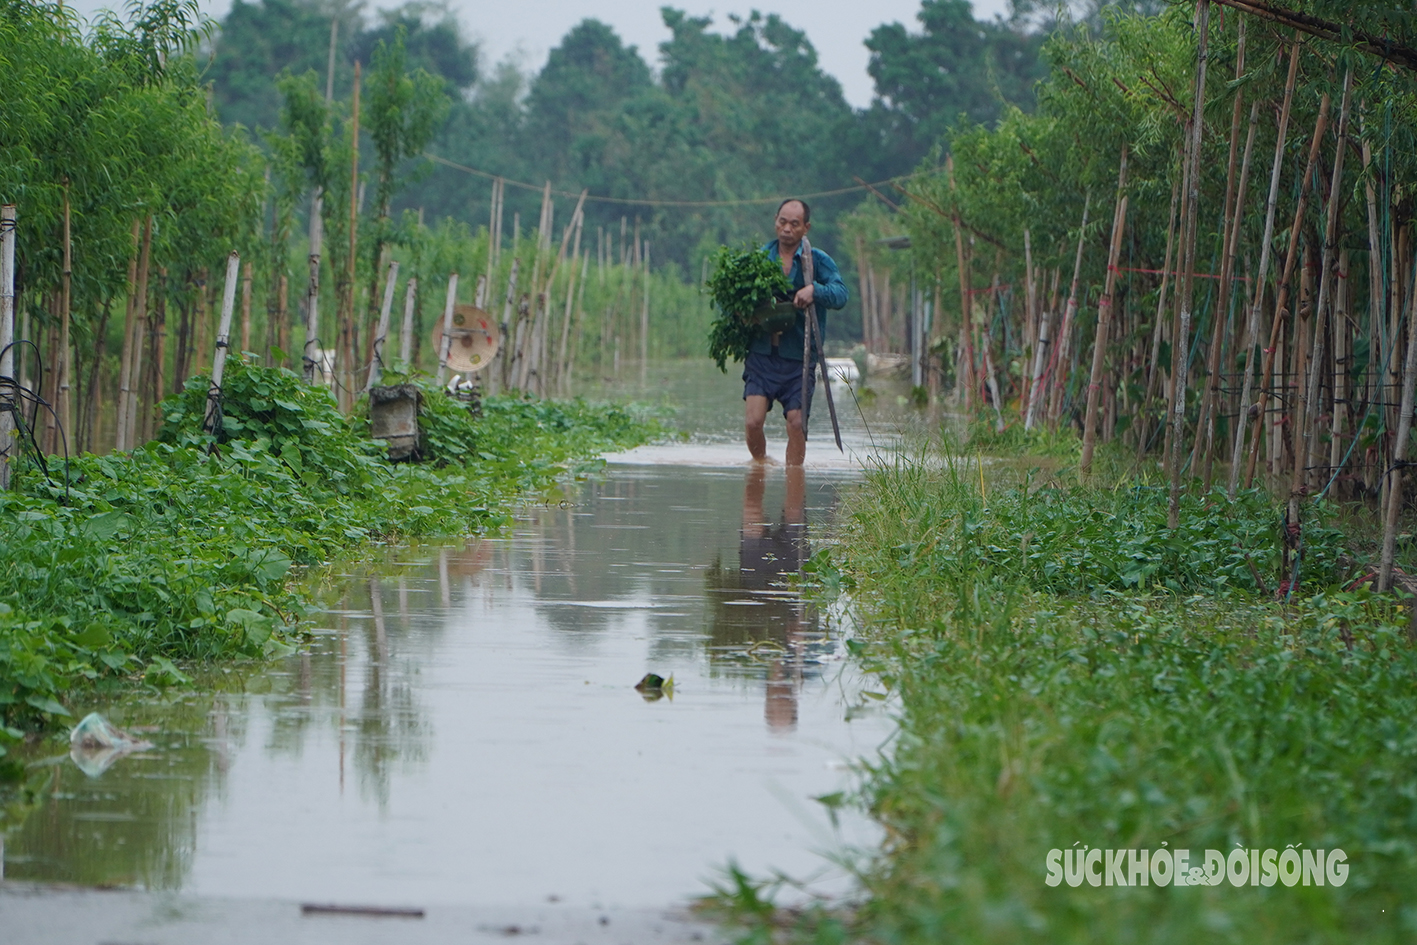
[532,27]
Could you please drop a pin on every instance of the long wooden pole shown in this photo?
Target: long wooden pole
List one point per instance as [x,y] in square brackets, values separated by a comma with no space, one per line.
[1282,301]
[406,334]
[348,316]
[223,336]
[66,356]
[7,336]
[312,297]
[1205,427]
[140,323]
[1056,367]
[1399,450]
[1252,325]
[1152,370]
[125,361]
[1227,276]
[446,346]
[1304,457]
[1191,177]
[1104,320]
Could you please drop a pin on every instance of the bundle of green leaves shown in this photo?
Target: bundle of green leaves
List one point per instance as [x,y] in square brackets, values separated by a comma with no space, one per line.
[743,281]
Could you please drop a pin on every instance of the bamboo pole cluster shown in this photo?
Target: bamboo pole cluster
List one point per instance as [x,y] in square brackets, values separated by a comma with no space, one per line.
[1269,340]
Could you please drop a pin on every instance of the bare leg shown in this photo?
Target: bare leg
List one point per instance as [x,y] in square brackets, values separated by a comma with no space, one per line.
[796,438]
[755,414]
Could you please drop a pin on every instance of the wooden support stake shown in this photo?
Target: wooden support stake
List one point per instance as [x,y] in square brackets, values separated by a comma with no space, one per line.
[1104,319]
[1191,219]
[212,422]
[7,340]
[1252,325]
[446,346]
[1281,303]
[406,332]
[376,361]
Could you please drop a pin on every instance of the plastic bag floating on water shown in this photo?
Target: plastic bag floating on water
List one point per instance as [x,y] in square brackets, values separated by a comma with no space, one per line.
[95,744]
[653,686]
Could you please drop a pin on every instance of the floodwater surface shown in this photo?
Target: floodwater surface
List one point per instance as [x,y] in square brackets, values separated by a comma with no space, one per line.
[463,726]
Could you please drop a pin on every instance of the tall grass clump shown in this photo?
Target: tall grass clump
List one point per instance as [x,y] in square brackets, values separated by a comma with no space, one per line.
[1070,675]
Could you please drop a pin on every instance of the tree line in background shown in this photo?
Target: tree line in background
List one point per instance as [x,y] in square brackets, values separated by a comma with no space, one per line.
[723,116]
[141,150]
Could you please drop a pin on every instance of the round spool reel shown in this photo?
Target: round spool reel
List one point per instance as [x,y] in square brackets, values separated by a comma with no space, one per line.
[475,339]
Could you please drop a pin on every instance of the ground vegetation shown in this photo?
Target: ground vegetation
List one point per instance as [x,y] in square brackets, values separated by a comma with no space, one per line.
[122,568]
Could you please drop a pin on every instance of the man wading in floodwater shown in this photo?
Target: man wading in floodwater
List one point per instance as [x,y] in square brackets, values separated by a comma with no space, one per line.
[773,370]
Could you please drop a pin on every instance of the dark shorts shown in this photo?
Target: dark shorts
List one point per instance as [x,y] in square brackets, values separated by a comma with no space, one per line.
[778,379]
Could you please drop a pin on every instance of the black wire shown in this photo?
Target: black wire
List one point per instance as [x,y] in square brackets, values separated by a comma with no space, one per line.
[13,396]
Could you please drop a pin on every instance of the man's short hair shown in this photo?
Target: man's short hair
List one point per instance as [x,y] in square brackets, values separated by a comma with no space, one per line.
[806,210]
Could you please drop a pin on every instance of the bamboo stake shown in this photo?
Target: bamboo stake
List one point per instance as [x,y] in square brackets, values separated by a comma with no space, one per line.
[1281,303]
[566,369]
[278,334]
[505,327]
[1054,374]
[1227,276]
[1342,349]
[7,335]
[447,343]
[223,334]
[311,350]
[967,380]
[1104,319]
[246,310]
[1376,297]
[1304,459]
[644,318]
[347,355]
[1188,249]
[570,298]
[990,377]
[66,356]
[93,390]
[1399,452]
[1252,325]
[125,370]
[1152,370]
[140,319]
[159,345]
[376,362]
[1030,319]
[406,333]
[1205,427]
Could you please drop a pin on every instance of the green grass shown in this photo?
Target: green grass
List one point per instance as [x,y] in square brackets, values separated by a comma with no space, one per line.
[1069,672]
[188,548]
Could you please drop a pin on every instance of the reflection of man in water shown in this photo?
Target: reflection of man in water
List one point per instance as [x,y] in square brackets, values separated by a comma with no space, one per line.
[765,554]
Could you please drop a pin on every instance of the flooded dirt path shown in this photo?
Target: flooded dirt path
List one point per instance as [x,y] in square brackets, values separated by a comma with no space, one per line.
[463,727]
